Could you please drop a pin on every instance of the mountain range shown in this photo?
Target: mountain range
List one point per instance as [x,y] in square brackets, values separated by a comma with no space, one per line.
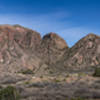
[22,48]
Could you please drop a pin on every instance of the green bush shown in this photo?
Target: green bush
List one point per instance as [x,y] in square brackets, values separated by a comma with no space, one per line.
[28,71]
[57,80]
[97,72]
[27,82]
[78,99]
[9,93]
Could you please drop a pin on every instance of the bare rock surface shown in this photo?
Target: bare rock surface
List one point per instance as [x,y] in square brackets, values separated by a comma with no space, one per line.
[83,56]
[16,46]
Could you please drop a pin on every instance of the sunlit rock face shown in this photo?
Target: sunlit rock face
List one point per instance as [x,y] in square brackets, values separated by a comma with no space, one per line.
[17,45]
[22,48]
[84,54]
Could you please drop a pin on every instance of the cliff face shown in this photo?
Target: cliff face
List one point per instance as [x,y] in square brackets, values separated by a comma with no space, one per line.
[22,48]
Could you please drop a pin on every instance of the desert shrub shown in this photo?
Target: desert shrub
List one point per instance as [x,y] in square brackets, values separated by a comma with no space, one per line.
[41,76]
[57,80]
[27,82]
[50,71]
[97,72]
[9,93]
[82,74]
[79,98]
[28,71]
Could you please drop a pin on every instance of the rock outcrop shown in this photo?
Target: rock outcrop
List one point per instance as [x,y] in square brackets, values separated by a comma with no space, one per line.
[17,46]
[52,48]
[84,55]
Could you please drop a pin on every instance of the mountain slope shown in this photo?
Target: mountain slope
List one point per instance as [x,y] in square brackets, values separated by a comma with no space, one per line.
[84,55]
[17,45]
[52,48]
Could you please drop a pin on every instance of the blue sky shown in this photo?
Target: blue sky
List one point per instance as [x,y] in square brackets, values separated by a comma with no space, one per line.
[71,19]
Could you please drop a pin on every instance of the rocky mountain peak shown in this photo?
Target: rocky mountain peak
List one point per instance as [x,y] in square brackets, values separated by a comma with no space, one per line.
[51,35]
[51,49]
[55,40]
[84,54]
[91,36]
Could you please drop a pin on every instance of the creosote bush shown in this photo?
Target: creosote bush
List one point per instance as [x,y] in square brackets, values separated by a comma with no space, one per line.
[9,93]
[78,98]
